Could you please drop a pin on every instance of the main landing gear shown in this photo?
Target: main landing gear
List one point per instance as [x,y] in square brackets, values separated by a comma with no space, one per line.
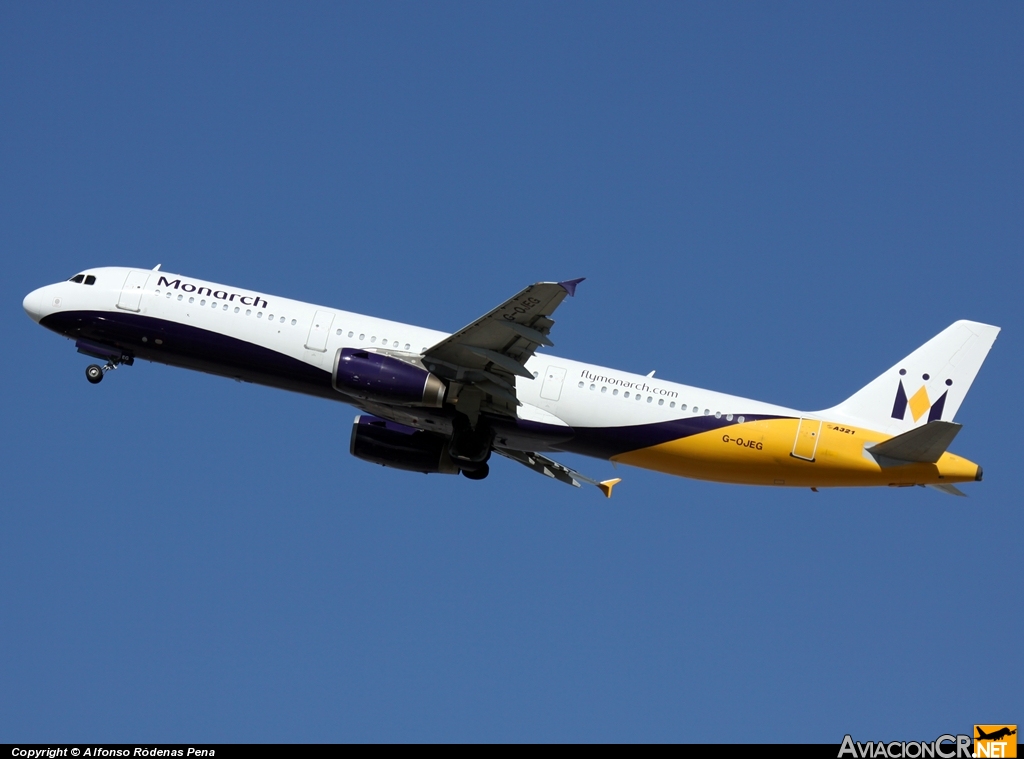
[470,448]
[479,473]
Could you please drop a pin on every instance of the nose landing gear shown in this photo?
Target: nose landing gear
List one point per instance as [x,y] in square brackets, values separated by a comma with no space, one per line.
[94,372]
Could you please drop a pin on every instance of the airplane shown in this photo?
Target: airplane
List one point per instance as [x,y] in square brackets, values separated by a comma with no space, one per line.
[435,402]
[995,735]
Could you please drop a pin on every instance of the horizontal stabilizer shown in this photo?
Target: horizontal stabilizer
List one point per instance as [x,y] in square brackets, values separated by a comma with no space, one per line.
[951,489]
[924,444]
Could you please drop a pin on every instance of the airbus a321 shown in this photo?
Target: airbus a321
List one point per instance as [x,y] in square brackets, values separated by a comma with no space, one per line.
[435,402]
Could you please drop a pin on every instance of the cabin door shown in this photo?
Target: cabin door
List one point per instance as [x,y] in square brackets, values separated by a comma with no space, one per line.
[131,293]
[808,433]
[319,330]
[551,390]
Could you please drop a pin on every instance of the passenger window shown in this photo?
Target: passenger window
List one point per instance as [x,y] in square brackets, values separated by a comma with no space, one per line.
[270,318]
[281,320]
[293,324]
[373,339]
[580,385]
[169,294]
[682,407]
[592,387]
[718,415]
[350,334]
[248,312]
[649,399]
[661,401]
[407,348]
[179,297]
[90,280]
[362,335]
[604,389]
[638,397]
[739,419]
[672,404]
[338,333]
[237,309]
[191,300]
[202,302]
[259,314]
[615,391]
[225,306]
[625,394]
[728,417]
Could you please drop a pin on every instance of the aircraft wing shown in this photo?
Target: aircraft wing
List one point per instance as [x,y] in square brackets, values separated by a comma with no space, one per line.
[483,359]
[560,472]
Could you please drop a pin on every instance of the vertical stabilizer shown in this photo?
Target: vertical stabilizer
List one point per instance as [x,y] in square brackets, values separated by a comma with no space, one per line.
[928,385]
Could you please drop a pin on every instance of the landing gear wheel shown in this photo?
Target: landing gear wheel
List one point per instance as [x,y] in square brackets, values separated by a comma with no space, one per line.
[94,373]
[471,446]
[476,474]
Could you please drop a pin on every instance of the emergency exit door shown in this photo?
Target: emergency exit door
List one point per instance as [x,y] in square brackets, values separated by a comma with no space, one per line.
[808,432]
[131,293]
[319,330]
[551,389]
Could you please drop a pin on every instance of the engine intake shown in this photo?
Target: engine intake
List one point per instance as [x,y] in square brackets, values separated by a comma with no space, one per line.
[377,377]
[395,445]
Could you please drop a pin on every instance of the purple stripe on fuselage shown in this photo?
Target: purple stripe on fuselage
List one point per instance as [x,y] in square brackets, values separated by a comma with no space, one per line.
[212,352]
[194,348]
[604,442]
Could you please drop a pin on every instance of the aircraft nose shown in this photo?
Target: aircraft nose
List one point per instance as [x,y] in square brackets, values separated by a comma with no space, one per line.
[33,304]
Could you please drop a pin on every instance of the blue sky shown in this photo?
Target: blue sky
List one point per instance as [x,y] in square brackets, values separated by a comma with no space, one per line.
[774,200]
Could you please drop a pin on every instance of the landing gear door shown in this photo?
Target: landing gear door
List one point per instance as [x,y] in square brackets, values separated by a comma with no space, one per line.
[551,389]
[319,330]
[131,293]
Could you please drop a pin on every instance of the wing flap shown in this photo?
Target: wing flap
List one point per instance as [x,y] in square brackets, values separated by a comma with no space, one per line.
[485,357]
[549,468]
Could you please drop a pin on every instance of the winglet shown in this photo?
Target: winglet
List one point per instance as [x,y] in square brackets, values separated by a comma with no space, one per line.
[607,485]
[570,285]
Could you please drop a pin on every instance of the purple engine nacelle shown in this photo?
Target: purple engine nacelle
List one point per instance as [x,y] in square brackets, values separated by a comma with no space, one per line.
[395,445]
[377,377]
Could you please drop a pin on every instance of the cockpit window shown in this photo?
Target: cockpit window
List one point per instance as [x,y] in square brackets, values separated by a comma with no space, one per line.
[77,278]
[90,280]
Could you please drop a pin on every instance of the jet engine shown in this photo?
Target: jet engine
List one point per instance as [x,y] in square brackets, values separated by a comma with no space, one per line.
[385,379]
[395,445]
